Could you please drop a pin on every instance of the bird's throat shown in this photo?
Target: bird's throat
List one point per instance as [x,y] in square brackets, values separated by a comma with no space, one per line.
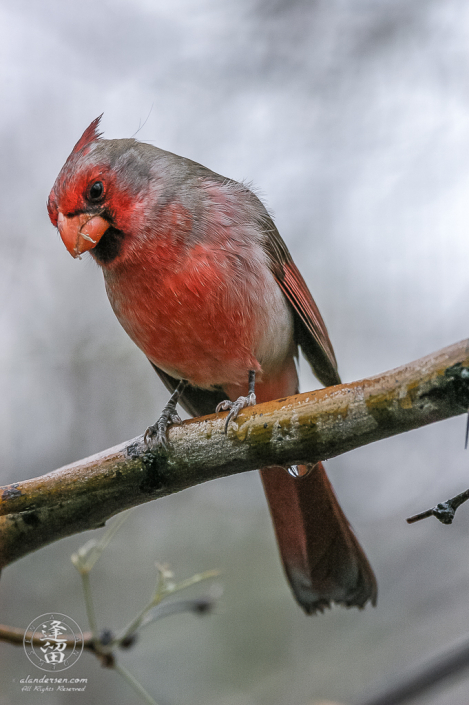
[109,247]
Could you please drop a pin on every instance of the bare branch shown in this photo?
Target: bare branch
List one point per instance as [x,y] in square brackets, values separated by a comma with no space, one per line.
[300,429]
[443,511]
[16,636]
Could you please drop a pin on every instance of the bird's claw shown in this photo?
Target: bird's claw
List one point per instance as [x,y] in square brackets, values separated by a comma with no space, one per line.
[235,407]
[157,435]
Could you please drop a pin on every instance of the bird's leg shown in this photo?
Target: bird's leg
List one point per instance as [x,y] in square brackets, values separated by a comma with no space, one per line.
[156,434]
[240,403]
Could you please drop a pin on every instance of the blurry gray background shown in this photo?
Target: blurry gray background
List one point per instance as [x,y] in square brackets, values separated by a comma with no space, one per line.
[352,119]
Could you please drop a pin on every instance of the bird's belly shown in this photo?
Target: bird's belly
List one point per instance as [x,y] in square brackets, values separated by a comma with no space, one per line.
[206,330]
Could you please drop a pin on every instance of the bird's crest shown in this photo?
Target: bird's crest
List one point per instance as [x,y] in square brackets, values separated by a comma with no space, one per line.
[90,135]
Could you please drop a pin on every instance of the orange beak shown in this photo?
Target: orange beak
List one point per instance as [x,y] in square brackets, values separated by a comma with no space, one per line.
[81,233]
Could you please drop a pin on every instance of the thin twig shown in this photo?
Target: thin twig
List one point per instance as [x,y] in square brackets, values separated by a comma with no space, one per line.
[444,511]
[103,645]
[133,682]
[84,560]
[452,663]
[164,587]
[16,636]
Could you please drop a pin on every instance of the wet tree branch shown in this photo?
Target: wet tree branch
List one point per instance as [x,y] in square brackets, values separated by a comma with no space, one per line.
[301,429]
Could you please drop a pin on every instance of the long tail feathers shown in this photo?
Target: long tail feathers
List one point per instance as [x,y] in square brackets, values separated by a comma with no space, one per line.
[322,558]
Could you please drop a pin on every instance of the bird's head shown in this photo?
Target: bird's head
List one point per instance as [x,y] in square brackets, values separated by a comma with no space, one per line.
[98,197]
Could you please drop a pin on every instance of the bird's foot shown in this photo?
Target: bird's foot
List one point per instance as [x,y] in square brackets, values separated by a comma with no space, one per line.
[235,407]
[156,435]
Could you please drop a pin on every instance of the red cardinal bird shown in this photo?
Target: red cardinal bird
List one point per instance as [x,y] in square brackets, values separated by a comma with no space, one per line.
[201,280]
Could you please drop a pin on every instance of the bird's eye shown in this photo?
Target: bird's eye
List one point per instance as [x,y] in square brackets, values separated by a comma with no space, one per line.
[96,191]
